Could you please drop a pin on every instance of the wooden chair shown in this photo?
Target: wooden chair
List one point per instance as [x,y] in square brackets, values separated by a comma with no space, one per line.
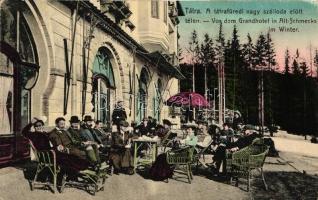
[242,162]
[46,160]
[182,159]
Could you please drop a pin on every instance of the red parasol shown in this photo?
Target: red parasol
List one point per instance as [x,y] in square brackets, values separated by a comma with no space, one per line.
[188,99]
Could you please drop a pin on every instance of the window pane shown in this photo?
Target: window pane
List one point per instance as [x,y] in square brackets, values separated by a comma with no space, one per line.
[25,107]
[155,8]
[165,10]
[8,25]
[6,105]
[6,66]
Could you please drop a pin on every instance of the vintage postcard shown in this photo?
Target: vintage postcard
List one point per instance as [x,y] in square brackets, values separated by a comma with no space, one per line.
[158,99]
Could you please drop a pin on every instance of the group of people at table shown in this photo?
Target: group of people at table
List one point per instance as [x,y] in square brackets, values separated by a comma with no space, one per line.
[85,144]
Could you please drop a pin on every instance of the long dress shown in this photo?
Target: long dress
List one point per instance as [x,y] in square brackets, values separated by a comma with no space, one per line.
[120,156]
[161,170]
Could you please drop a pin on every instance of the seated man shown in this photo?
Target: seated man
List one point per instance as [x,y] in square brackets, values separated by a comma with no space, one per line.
[204,139]
[74,130]
[120,153]
[152,124]
[101,133]
[40,140]
[87,132]
[220,153]
[164,131]
[144,128]
[63,142]
[226,134]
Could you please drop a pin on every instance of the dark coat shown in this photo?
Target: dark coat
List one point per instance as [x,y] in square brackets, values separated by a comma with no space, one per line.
[63,137]
[40,140]
[119,155]
[143,130]
[243,142]
[76,136]
[119,114]
[89,134]
[236,122]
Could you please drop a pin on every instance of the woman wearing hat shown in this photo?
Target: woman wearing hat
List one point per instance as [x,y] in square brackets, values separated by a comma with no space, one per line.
[120,153]
[34,132]
[191,138]
[237,120]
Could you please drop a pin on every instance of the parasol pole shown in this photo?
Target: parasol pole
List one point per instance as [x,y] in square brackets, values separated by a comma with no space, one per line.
[193,87]
[205,90]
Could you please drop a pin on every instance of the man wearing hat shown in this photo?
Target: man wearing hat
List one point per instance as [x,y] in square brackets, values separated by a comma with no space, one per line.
[144,128]
[120,154]
[87,132]
[119,114]
[74,129]
[164,129]
[63,142]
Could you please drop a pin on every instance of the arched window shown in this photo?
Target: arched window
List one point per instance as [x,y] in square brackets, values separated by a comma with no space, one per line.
[142,94]
[18,69]
[103,86]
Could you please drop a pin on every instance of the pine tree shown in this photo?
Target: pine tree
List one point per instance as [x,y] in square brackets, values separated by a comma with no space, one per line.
[270,52]
[220,51]
[234,70]
[207,54]
[269,86]
[248,52]
[304,69]
[220,44]
[295,65]
[287,60]
[194,48]
[207,57]
[316,61]
[260,52]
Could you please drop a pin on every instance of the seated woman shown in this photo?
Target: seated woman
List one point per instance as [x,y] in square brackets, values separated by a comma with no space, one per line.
[35,133]
[161,170]
[191,139]
[120,153]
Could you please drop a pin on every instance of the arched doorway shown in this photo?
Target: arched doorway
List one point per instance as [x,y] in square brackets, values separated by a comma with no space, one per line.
[18,75]
[104,93]
[142,94]
[18,69]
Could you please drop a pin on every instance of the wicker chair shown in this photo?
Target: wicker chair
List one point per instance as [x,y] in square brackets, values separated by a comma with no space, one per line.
[201,152]
[45,160]
[242,162]
[91,179]
[182,159]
